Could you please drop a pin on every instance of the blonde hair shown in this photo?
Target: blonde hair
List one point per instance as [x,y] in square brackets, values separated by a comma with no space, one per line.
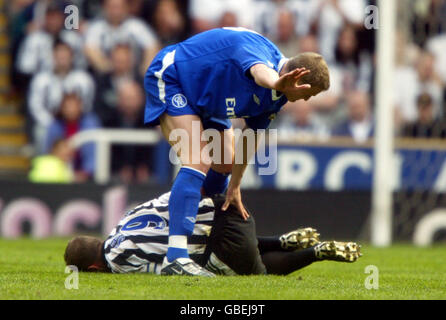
[319,76]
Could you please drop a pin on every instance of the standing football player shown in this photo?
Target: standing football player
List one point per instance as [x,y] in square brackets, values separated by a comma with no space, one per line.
[202,83]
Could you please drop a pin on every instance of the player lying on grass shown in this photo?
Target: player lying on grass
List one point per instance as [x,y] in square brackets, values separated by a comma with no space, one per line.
[202,83]
[221,243]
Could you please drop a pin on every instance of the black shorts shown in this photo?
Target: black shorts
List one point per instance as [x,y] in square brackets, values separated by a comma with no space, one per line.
[234,241]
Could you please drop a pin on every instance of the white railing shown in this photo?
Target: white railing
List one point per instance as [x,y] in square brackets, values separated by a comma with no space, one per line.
[104,138]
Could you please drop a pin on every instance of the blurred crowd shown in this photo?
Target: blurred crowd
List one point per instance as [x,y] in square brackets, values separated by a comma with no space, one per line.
[91,76]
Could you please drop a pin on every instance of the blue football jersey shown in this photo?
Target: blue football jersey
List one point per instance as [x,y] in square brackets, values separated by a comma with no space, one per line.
[213,70]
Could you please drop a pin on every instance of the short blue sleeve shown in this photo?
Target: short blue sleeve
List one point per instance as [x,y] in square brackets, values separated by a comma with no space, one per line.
[249,55]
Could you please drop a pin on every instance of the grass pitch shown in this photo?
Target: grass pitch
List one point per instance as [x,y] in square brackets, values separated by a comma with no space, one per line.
[34,269]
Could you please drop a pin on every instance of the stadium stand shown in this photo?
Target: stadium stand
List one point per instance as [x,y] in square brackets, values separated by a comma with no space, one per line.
[13,139]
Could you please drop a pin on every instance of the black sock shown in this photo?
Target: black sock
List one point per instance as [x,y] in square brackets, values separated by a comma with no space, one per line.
[282,263]
[268,244]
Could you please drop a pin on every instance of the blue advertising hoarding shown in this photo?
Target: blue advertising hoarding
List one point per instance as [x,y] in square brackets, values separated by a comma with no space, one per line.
[338,168]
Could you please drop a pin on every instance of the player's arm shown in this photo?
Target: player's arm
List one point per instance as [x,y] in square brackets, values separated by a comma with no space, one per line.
[264,76]
[285,83]
[233,194]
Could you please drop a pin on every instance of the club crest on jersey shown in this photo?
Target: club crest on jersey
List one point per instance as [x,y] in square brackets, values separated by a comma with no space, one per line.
[179,101]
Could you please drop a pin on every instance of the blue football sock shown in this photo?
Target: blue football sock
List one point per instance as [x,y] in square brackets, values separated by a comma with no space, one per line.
[215,183]
[183,207]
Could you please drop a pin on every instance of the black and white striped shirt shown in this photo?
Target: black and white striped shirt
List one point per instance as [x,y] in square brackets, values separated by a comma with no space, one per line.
[36,52]
[47,90]
[132,31]
[140,240]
